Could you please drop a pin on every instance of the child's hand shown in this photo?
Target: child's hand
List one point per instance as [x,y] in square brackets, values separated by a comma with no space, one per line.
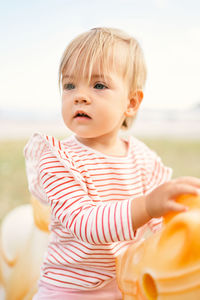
[162,200]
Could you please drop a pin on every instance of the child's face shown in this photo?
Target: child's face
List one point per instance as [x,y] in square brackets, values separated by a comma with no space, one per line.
[96,108]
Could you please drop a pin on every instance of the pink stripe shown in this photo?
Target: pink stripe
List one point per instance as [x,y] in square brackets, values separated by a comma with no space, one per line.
[86,226]
[56,186]
[102,224]
[79,277]
[66,187]
[97,233]
[121,219]
[70,276]
[74,217]
[109,225]
[81,227]
[115,221]
[129,230]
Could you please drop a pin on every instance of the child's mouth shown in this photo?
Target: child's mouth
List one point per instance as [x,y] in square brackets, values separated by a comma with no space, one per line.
[82,115]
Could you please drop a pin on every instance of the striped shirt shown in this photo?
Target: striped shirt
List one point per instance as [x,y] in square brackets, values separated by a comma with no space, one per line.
[90,196]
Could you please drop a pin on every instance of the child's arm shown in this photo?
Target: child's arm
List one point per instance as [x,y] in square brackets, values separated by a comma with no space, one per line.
[90,221]
[162,200]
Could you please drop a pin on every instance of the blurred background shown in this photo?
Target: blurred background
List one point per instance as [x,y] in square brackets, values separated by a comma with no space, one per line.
[33,37]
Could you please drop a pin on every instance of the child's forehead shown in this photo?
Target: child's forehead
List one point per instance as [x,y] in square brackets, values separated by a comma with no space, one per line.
[78,67]
[89,71]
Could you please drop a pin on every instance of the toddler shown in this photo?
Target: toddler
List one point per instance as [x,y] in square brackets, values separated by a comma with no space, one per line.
[104,191]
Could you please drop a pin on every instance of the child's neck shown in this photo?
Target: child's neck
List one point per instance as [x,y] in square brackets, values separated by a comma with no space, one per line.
[111,146]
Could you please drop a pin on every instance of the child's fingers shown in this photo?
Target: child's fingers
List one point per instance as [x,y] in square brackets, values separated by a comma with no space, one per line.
[174,206]
[194,181]
[181,188]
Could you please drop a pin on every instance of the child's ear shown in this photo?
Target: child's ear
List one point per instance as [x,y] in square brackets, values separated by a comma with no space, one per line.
[135,99]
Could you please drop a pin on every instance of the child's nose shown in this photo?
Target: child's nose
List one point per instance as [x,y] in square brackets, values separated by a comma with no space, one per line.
[80,99]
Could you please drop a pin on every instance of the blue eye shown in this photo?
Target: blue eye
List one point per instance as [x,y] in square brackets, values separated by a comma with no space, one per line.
[68,86]
[100,86]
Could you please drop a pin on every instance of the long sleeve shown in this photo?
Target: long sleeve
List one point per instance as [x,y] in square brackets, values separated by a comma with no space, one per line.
[90,221]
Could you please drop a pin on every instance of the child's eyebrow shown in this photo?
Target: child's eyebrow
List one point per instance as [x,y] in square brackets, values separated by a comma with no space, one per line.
[106,77]
[93,76]
[67,76]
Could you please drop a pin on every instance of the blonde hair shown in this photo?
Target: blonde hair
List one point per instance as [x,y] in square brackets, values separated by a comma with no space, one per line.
[104,47]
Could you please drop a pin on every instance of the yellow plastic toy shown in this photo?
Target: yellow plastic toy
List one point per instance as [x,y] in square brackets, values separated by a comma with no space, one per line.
[23,240]
[166,266]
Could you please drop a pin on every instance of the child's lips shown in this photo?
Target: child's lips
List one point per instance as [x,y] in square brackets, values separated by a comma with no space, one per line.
[80,114]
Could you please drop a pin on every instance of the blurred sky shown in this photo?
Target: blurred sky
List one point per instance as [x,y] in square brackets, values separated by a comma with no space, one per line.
[34,34]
